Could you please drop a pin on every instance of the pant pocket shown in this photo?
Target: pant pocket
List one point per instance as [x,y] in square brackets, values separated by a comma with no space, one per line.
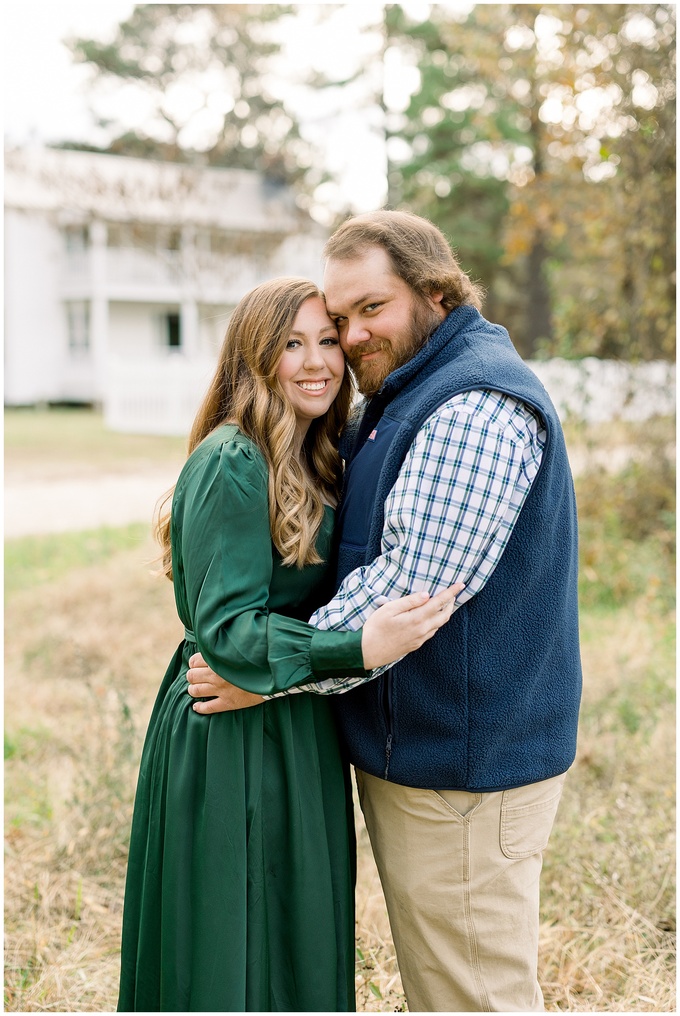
[527,816]
[462,802]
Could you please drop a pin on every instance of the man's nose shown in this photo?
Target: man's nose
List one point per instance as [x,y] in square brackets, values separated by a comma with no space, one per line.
[356,332]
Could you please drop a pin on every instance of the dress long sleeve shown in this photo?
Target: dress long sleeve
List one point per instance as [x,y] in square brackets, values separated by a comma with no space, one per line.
[223,561]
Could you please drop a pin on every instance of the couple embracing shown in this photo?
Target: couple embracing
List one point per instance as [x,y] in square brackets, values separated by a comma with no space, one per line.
[412,611]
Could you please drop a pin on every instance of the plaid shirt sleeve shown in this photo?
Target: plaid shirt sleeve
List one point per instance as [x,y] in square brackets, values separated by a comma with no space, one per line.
[450,513]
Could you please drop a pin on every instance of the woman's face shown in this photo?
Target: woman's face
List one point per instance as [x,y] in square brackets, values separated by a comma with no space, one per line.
[311,369]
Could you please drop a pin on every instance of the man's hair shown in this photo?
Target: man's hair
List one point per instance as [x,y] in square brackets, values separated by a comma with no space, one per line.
[419,252]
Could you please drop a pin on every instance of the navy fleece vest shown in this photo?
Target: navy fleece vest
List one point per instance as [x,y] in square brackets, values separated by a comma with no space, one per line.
[490,702]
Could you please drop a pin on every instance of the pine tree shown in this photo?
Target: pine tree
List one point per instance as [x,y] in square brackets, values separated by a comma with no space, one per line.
[201,69]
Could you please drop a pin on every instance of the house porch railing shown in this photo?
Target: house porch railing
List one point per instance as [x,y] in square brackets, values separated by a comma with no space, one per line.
[131,269]
[155,396]
[161,395]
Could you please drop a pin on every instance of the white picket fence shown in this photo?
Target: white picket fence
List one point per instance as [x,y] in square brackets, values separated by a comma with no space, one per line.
[155,396]
[595,390]
[161,396]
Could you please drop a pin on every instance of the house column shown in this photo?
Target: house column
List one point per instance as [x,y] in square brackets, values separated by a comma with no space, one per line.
[189,328]
[189,315]
[99,309]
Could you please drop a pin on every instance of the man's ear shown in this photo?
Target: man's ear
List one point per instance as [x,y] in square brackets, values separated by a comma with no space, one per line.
[436,297]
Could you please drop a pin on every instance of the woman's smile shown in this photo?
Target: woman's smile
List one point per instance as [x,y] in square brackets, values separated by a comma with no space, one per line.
[313,387]
[312,347]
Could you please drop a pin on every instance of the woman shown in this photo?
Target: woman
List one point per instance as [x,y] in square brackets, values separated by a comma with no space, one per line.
[239,894]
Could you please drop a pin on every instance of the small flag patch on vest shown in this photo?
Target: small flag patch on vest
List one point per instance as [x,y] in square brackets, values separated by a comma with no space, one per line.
[371,436]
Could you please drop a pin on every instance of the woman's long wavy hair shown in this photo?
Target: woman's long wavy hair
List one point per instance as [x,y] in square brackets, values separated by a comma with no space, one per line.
[245,390]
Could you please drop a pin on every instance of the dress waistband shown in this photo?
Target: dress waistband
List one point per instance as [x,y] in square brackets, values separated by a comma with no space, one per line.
[189,636]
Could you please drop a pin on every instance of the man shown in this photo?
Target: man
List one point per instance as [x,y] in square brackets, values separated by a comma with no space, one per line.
[457,470]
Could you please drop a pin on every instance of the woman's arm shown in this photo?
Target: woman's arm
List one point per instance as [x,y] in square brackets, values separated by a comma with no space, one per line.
[223,562]
[223,552]
[392,631]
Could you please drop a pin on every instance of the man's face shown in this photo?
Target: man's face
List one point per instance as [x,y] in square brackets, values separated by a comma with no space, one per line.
[382,323]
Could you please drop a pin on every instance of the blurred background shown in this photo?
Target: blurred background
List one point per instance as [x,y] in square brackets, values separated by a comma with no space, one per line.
[160,160]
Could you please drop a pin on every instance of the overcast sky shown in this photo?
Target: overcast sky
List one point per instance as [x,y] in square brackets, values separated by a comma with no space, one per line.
[44,97]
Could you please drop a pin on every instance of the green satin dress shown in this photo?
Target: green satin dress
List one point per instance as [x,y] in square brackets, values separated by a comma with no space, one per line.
[240,885]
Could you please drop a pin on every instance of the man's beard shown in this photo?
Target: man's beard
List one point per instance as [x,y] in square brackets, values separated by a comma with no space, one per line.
[370,374]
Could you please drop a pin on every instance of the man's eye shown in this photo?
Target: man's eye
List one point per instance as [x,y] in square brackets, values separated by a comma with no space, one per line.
[371,306]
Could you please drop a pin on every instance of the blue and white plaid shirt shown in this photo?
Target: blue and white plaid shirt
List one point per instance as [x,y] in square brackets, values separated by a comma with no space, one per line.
[449,515]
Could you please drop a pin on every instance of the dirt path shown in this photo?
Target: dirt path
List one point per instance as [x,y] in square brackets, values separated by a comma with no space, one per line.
[56,506]
[80,503]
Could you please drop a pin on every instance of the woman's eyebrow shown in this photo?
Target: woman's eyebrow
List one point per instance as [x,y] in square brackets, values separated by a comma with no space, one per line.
[330,327]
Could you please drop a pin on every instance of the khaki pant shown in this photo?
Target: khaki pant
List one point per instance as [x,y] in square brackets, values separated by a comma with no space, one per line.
[460,872]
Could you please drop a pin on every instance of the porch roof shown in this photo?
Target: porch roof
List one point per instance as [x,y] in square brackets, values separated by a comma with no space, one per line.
[79,186]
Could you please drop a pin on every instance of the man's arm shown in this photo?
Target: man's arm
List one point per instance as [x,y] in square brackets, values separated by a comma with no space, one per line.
[448,517]
[451,512]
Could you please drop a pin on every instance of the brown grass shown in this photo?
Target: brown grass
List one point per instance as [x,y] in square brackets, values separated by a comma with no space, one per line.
[54,444]
[86,646]
[77,700]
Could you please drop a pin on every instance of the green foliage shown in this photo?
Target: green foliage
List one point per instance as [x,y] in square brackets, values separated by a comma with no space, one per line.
[627,525]
[27,798]
[616,295]
[34,560]
[101,807]
[450,119]
[542,141]
[203,67]
[58,442]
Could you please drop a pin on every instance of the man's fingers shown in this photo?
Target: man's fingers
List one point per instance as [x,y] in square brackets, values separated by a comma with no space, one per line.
[206,707]
[197,661]
[199,675]
[201,690]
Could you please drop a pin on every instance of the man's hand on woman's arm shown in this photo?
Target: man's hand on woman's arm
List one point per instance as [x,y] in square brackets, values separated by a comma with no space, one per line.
[393,630]
[204,682]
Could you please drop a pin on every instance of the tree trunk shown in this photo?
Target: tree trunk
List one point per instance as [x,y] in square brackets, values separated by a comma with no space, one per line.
[538,328]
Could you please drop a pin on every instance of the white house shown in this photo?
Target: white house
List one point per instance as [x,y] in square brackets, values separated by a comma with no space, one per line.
[120,275]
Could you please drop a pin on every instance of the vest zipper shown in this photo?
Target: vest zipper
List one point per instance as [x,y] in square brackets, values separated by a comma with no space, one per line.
[388,753]
[387,706]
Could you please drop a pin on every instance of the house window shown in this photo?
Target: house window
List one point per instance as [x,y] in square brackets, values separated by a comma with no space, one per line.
[76,239]
[172,331]
[78,326]
[169,239]
[118,235]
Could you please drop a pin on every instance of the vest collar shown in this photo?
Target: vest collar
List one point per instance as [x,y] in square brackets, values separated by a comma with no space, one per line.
[459,319]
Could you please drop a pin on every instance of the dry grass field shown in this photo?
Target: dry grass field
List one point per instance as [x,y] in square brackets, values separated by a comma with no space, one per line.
[88,634]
